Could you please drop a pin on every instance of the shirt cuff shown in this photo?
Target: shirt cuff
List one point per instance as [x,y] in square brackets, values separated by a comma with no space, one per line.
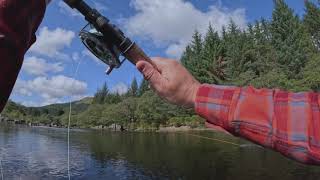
[214,103]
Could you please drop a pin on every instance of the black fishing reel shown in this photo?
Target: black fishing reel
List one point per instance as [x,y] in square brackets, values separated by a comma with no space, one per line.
[103,39]
[106,41]
[96,43]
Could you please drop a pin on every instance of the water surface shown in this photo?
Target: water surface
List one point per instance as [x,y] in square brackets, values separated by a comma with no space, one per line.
[41,153]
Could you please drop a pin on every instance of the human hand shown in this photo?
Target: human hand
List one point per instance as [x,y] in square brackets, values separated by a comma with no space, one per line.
[170,81]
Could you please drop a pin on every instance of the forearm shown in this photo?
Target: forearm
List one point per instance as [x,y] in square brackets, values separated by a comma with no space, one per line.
[18,22]
[285,122]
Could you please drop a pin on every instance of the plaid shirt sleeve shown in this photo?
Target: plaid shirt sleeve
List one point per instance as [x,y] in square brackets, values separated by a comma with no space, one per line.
[19,20]
[286,122]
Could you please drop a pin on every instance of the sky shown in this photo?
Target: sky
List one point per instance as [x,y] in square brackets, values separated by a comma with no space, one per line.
[58,68]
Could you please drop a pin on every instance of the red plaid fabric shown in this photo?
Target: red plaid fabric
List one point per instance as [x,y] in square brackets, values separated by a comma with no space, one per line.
[19,20]
[284,121]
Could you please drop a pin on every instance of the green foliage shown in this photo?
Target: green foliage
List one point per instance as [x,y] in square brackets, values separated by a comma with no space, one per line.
[144,87]
[312,21]
[290,39]
[101,95]
[134,89]
[192,121]
[278,53]
[311,74]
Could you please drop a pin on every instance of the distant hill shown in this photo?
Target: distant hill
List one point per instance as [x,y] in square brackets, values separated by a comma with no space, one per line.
[46,114]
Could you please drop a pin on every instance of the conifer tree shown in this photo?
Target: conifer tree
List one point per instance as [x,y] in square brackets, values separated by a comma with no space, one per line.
[101,95]
[290,39]
[144,87]
[192,58]
[213,63]
[312,21]
[133,91]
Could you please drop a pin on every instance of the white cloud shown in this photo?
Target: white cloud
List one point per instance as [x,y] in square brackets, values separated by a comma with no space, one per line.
[22,88]
[173,22]
[38,66]
[65,9]
[51,42]
[30,103]
[120,88]
[52,90]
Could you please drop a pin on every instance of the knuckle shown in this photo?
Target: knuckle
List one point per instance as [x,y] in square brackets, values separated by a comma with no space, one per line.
[148,74]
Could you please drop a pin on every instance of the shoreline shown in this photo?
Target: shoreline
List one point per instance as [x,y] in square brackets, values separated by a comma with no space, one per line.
[159,130]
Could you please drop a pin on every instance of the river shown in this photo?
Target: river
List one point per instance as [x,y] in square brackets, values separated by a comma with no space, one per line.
[41,153]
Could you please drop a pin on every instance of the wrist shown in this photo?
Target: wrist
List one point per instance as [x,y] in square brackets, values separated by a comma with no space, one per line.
[193,94]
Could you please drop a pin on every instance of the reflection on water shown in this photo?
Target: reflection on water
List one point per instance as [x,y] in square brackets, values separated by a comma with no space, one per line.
[41,153]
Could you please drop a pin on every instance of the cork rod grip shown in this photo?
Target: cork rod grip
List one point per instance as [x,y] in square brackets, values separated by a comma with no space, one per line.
[136,54]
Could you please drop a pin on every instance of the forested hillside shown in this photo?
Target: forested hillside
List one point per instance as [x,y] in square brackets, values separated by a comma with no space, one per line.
[281,52]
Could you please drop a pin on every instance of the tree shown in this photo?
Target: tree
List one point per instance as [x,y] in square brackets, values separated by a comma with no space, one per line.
[144,87]
[213,64]
[111,115]
[134,89]
[100,96]
[311,74]
[192,57]
[91,117]
[128,110]
[257,54]
[150,109]
[113,98]
[312,21]
[290,39]
[234,41]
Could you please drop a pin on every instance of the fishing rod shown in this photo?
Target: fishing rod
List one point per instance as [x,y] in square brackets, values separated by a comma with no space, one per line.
[105,40]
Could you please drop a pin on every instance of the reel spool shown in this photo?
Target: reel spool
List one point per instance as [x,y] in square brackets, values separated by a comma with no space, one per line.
[99,46]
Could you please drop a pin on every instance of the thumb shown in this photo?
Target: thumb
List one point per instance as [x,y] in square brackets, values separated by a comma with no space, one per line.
[150,73]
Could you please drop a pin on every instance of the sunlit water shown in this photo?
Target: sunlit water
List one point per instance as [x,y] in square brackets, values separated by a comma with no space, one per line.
[41,153]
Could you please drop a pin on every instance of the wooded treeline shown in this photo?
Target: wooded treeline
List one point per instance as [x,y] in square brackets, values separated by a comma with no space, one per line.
[283,52]
[279,53]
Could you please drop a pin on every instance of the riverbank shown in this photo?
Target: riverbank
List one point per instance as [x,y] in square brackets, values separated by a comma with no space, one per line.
[116,128]
[181,128]
[153,129]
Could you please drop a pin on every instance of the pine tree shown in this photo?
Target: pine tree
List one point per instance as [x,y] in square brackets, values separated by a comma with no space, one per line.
[213,63]
[144,87]
[312,21]
[104,92]
[234,43]
[134,90]
[259,52]
[192,57]
[101,95]
[290,39]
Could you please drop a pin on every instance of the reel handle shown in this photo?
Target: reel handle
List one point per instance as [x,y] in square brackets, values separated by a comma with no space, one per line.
[135,54]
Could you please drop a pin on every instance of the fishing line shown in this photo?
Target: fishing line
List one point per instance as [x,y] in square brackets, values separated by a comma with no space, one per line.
[214,139]
[69,117]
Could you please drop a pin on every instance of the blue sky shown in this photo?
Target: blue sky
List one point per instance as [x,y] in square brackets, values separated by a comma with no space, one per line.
[161,27]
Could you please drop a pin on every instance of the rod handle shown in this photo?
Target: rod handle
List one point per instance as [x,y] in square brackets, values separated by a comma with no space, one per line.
[135,54]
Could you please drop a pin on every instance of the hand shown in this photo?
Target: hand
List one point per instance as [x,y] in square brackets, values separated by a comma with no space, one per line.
[171,81]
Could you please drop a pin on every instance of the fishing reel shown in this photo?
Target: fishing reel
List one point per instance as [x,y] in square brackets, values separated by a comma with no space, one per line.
[106,41]
[96,43]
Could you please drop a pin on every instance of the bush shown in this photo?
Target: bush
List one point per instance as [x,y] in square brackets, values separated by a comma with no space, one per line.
[191,121]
